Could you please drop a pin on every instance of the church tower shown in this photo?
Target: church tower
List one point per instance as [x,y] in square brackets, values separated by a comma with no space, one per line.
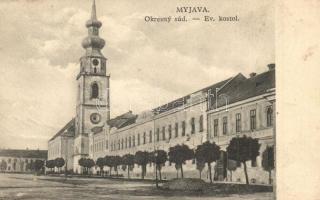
[92,108]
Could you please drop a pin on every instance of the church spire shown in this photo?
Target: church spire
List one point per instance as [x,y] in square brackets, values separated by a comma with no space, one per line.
[93,11]
[93,43]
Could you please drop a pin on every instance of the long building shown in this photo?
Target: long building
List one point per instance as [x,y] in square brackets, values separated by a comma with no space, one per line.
[229,108]
[19,160]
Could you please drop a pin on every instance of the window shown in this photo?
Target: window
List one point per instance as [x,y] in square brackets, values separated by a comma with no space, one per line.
[94,148]
[164,133]
[215,127]
[150,136]
[133,140]
[118,144]
[193,127]
[126,143]
[176,130]
[158,134]
[169,131]
[130,142]
[122,143]
[144,137]
[183,128]
[238,122]
[224,125]
[138,139]
[201,123]
[106,144]
[253,119]
[94,91]
[269,116]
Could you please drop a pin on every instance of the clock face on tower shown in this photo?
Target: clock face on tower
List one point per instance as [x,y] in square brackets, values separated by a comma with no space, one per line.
[95,62]
[95,118]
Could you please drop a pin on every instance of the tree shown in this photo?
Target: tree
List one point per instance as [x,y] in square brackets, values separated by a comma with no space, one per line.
[83,162]
[243,149]
[208,153]
[142,158]
[100,163]
[200,166]
[117,160]
[50,164]
[90,163]
[108,160]
[128,160]
[59,162]
[38,165]
[231,166]
[3,165]
[87,163]
[179,154]
[159,158]
[268,160]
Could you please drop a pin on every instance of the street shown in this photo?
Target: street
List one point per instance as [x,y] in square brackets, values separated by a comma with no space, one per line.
[21,186]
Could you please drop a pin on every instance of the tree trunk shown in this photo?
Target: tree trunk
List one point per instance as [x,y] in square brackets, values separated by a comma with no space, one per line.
[231,175]
[200,174]
[128,172]
[142,171]
[110,171]
[160,175]
[181,169]
[177,174]
[245,172]
[269,176]
[156,171]
[210,175]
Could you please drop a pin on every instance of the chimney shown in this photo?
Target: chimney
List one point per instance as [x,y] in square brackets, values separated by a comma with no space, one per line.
[271,66]
[253,74]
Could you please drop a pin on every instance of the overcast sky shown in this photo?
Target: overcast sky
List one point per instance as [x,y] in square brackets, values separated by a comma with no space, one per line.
[150,64]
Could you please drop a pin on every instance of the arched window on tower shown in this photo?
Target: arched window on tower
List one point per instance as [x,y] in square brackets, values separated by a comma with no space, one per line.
[94,91]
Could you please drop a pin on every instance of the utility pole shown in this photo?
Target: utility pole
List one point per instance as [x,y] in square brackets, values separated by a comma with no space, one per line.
[154,151]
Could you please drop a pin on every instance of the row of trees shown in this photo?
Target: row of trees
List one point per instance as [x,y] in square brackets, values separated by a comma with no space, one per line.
[239,150]
[58,162]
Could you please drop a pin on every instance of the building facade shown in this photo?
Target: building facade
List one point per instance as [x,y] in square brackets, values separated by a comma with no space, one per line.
[16,160]
[61,145]
[230,108]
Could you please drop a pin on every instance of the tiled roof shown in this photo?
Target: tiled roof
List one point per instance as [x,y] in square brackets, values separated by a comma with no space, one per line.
[236,88]
[17,153]
[181,101]
[241,89]
[123,120]
[68,130]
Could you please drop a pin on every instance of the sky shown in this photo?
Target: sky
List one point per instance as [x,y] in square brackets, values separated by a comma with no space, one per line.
[149,63]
